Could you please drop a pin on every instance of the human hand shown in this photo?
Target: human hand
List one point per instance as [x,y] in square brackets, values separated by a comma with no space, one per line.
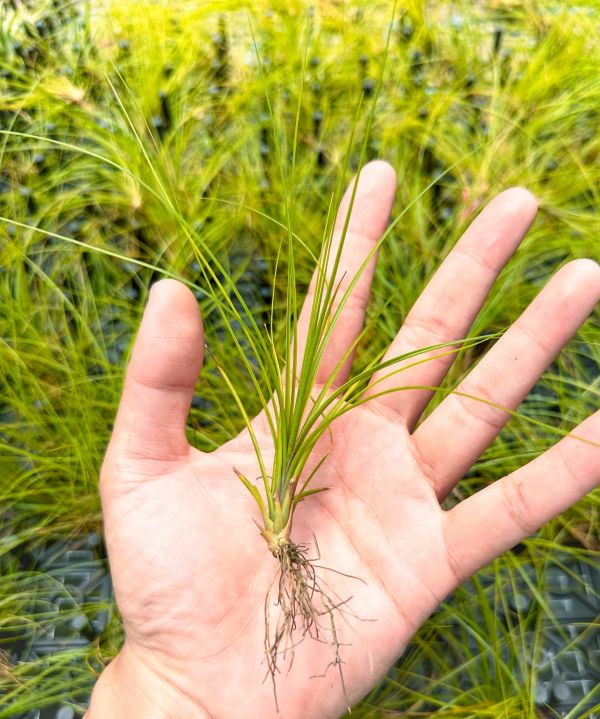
[190,569]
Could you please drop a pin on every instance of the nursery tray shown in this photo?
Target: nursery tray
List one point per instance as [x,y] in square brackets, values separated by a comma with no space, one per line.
[80,608]
[568,671]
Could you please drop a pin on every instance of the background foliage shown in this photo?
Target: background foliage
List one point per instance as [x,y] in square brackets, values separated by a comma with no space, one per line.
[104,107]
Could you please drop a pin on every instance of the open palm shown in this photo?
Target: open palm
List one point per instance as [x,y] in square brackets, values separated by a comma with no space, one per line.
[189,567]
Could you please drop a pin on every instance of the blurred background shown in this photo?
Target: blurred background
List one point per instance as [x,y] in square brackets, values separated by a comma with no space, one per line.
[109,109]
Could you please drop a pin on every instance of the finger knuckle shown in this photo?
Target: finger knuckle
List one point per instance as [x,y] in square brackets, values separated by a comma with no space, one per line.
[518,505]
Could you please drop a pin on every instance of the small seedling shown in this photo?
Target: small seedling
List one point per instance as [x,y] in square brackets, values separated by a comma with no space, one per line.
[300,606]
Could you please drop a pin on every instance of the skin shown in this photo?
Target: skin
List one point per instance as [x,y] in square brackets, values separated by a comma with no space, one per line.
[190,569]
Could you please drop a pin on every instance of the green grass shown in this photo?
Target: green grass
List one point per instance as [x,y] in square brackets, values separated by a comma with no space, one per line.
[99,216]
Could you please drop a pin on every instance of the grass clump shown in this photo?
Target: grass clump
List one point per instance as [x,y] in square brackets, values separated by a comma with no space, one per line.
[139,142]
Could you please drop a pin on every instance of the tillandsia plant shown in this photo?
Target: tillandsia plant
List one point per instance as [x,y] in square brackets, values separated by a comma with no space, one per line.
[300,414]
[303,403]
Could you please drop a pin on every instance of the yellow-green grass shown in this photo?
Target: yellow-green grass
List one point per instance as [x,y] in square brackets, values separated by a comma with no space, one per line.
[112,185]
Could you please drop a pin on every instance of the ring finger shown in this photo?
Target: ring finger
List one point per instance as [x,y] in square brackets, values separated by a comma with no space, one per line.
[463,425]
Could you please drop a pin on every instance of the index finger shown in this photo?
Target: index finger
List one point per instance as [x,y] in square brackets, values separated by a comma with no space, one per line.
[368,219]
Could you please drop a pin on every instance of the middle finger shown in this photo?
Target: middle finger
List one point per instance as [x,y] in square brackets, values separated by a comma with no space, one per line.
[448,305]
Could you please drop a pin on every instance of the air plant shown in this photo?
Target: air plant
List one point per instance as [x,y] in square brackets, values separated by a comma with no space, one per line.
[301,412]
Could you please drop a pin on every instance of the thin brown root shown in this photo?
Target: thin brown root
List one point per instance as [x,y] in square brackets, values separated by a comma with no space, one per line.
[302,601]
[337,660]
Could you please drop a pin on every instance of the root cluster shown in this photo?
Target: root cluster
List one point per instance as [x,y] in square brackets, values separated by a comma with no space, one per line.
[305,609]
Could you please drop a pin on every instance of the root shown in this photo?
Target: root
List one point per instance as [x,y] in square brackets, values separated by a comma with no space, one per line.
[306,609]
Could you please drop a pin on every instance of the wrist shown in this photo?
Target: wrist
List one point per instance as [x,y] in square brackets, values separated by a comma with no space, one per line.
[129,689]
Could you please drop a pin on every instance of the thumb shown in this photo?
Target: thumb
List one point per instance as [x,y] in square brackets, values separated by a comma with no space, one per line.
[159,382]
